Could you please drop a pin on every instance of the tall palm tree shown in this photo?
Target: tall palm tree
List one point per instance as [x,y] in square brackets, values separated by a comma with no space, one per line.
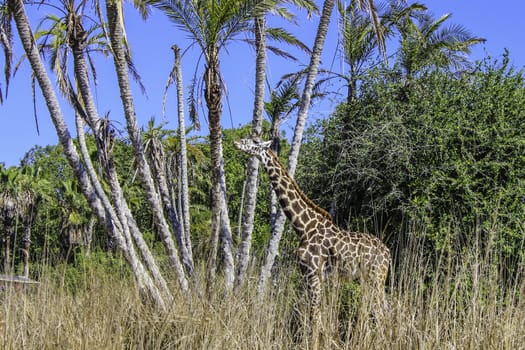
[427,44]
[212,25]
[67,35]
[243,252]
[154,138]
[260,41]
[120,53]
[176,76]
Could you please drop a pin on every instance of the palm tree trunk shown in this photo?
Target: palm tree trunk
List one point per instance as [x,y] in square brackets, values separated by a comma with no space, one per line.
[313,68]
[27,241]
[114,12]
[220,219]
[185,198]
[253,163]
[9,234]
[212,255]
[226,233]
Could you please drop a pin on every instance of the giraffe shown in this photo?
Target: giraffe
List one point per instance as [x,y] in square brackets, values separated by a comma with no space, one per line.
[323,245]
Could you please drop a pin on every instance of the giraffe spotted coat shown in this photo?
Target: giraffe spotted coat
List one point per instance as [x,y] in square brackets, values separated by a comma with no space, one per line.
[323,245]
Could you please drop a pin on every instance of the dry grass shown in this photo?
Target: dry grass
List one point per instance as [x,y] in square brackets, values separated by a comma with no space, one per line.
[461,308]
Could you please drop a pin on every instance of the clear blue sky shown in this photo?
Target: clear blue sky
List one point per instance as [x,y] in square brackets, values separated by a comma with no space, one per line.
[501,24]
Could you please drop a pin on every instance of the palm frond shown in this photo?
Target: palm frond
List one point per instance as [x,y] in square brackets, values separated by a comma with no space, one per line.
[6,41]
[281,35]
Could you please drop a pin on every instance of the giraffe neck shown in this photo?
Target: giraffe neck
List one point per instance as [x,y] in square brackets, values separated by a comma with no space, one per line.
[299,209]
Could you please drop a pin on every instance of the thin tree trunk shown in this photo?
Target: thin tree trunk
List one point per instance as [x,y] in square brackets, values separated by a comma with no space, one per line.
[220,219]
[185,197]
[114,12]
[240,215]
[226,234]
[27,242]
[131,229]
[9,230]
[253,163]
[313,68]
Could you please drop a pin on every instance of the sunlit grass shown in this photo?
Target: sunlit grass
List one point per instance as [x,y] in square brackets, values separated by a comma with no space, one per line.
[461,307]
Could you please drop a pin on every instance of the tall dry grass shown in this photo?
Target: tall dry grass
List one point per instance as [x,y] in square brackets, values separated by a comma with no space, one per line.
[464,306]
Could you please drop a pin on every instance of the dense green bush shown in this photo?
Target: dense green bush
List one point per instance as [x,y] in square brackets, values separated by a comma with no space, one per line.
[445,156]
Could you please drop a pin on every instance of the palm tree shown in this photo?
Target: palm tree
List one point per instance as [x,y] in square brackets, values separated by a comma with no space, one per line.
[427,45]
[212,25]
[154,138]
[68,35]
[360,40]
[21,190]
[176,75]
[260,34]
[357,43]
[120,54]
[243,252]
[60,37]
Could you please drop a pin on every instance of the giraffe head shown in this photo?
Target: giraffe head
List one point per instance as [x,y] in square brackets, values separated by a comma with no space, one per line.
[253,147]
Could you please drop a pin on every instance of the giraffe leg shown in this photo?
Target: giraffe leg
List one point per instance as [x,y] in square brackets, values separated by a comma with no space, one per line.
[376,296]
[313,288]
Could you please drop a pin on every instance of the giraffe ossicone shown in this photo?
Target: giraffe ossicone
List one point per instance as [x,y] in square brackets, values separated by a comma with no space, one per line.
[322,243]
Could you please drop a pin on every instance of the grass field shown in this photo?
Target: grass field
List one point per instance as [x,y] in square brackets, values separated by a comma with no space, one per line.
[465,306]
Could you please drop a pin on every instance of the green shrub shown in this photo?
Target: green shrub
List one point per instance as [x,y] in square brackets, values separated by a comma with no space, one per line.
[447,159]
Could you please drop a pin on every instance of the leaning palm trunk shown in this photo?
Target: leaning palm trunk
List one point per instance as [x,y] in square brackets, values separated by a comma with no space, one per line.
[114,13]
[243,253]
[220,219]
[104,138]
[313,68]
[123,226]
[144,283]
[184,193]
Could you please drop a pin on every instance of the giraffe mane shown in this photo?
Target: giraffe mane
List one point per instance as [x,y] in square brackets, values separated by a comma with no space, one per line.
[298,189]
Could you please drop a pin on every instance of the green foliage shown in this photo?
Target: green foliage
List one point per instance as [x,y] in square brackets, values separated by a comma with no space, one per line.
[446,157]
[78,276]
